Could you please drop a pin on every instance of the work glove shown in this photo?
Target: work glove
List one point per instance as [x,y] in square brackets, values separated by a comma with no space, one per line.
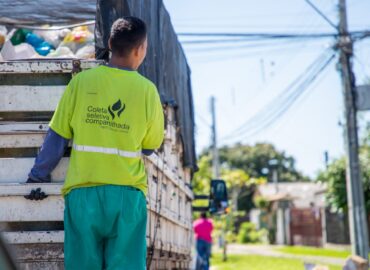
[35,194]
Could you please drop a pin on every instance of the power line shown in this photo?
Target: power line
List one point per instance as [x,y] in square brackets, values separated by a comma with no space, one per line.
[322,15]
[285,99]
[250,53]
[254,45]
[200,117]
[224,40]
[259,35]
[282,103]
[272,119]
[249,41]
[271,35]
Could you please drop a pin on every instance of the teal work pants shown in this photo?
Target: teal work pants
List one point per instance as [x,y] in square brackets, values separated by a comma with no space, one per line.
[105,228]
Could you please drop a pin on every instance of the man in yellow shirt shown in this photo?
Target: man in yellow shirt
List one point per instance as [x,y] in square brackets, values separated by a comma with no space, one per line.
[113,114]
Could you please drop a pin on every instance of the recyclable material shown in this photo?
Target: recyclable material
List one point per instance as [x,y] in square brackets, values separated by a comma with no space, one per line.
[19,36]
[77,38]
[3,32]
[61,52]
[21,51]
[86,52]
[41,46]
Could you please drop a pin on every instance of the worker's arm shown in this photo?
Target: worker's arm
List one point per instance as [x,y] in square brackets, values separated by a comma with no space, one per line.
[147,152]
[55,142]
[155,126]
[51,152]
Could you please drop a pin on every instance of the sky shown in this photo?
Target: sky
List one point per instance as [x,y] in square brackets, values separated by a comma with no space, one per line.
[247,77]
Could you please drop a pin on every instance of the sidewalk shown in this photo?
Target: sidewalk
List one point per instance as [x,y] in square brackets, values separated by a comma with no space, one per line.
[268,251]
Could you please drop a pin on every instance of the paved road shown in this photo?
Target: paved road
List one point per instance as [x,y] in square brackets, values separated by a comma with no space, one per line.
[264,250]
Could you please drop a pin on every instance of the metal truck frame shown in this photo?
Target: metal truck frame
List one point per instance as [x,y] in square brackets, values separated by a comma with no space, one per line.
[30,91]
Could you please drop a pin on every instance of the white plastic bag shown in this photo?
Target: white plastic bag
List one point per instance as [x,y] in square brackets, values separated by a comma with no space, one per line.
[86,52]
[21,51]
[61,52]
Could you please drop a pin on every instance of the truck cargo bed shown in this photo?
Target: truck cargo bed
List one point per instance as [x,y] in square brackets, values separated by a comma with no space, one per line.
[30,91]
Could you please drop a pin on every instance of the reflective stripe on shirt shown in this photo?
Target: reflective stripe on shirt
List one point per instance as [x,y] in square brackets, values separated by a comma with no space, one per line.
[106,150]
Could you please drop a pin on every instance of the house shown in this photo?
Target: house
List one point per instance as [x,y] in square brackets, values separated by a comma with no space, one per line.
[294,213]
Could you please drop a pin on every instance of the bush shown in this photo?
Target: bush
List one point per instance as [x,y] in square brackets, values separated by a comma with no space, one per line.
[261,202]
[249,234]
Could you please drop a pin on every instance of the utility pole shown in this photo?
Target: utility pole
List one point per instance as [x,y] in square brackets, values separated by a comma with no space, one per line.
[215,158]
[355,193]
[216,173]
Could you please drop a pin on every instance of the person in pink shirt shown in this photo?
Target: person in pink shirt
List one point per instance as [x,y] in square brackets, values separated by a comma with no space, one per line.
[203,228]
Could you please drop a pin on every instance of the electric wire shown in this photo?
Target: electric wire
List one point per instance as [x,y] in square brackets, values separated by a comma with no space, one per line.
[282,99]
[278,106]
[268,122]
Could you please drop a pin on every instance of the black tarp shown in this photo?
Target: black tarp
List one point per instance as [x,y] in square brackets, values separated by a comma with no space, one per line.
[47,11]
[165,63]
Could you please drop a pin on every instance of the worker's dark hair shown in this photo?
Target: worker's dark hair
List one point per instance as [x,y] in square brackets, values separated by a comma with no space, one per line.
[126,34]
[203,215]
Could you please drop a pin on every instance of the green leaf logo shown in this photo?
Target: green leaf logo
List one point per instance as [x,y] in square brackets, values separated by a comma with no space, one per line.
[117,108]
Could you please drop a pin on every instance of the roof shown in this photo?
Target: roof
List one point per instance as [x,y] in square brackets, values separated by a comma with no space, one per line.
[302,194]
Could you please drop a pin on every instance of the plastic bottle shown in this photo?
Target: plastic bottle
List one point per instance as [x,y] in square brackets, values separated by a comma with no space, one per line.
[78,38]
[42,47]
[19,36]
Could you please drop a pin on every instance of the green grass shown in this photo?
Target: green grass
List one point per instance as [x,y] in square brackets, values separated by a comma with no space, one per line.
[253,262]
[315,251]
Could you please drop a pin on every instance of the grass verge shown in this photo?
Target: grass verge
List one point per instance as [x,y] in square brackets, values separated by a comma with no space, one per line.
[254,262]
[296,250]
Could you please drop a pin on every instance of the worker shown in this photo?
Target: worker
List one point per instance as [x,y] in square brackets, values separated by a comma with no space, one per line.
[114,115]
[203,228]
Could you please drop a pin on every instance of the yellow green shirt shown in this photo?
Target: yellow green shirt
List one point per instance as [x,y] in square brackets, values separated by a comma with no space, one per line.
[111,115]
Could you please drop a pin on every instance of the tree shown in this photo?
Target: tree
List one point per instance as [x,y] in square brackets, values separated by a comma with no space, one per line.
[254,160]
[202,178]
[237,181]
[335,177]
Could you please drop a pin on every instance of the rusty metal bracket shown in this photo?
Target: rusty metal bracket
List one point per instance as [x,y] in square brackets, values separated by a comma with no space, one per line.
[76,67]
[161,252]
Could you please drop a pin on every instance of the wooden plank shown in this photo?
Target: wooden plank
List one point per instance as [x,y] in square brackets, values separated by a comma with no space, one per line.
[21,189]
[44,237]
[20,140]
[29,98]
[16,208]
[15,170]
[28,237]
[44,66]
[19,209]
[158,162]
[23,128]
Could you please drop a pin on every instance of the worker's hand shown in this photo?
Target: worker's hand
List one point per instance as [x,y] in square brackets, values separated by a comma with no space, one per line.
[35,194]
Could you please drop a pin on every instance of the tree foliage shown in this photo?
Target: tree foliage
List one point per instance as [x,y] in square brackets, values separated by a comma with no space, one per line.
[254,160]
[244,167]
[202,178]
[335,177]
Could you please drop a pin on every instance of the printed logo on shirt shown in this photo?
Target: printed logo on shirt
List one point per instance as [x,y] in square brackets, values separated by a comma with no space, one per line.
[117,108]
[107,117]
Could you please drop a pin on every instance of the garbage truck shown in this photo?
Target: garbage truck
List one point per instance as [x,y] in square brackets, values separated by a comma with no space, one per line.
[30,90]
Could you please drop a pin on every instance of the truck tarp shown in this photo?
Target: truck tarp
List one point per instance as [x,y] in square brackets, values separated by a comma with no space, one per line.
[165,63]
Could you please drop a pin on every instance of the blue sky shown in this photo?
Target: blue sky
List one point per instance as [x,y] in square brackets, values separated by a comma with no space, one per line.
[245,77]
